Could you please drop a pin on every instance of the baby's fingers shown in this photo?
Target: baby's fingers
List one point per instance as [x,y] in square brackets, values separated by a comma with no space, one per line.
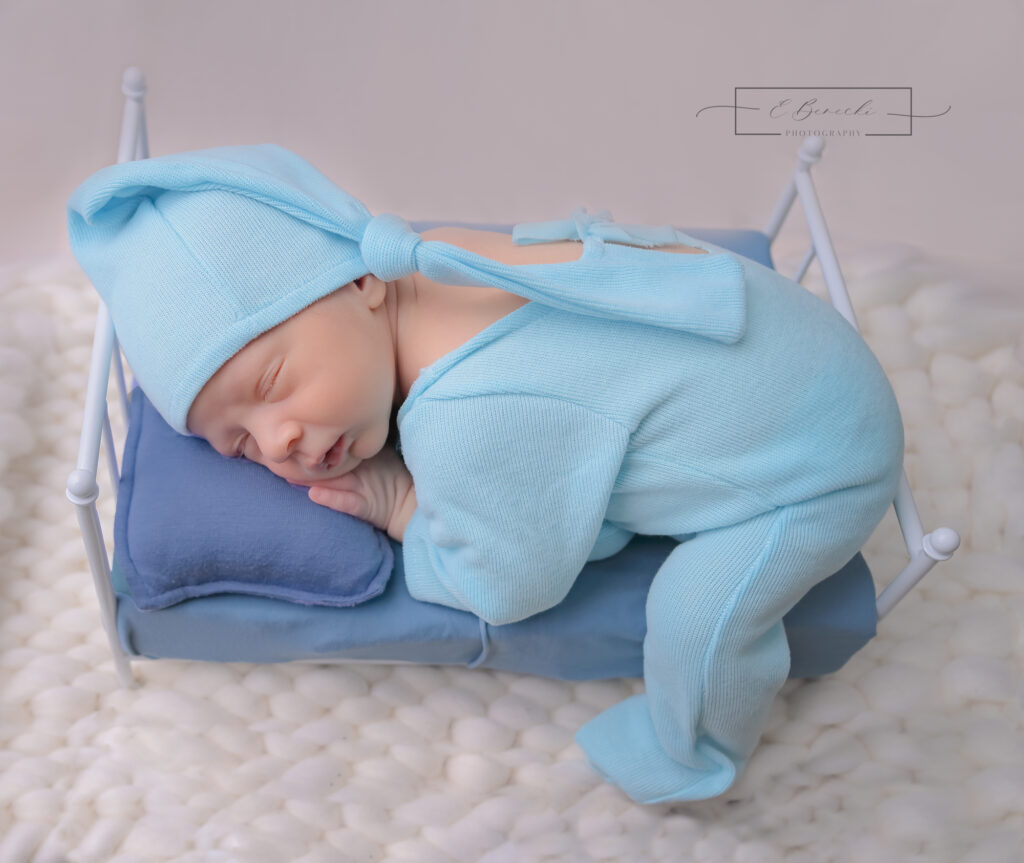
[343,501]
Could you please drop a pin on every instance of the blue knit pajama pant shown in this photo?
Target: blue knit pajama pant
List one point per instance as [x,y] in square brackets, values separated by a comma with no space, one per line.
[715,654]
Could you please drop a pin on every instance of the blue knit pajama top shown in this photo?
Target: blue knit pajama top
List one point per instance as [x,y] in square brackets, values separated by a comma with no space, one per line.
[553,436]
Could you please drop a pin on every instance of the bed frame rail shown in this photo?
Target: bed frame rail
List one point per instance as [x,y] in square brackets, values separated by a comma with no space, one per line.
[924,550]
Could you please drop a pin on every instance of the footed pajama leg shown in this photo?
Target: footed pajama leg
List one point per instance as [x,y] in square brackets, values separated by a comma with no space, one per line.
[715,654]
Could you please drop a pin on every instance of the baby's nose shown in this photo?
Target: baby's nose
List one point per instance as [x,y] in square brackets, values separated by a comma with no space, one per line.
[282,442]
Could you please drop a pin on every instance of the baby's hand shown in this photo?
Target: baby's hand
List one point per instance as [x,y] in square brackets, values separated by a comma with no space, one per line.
[379,490]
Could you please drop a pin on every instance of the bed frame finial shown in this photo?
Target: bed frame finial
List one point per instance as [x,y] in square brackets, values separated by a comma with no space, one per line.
[133,83]
[811,150]
[941,543]
[82,487]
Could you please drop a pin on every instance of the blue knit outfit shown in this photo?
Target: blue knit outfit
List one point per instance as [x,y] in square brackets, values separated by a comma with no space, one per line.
[552,437]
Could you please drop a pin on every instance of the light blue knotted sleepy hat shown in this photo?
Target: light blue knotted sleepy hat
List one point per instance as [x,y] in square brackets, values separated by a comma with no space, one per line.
[195,254]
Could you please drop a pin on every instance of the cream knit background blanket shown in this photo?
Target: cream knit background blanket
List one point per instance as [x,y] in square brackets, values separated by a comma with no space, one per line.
[914,751]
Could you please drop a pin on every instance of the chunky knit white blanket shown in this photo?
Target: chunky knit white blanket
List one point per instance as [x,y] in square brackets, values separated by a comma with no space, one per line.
[914,751]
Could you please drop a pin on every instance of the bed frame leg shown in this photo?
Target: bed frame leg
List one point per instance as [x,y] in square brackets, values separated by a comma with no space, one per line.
[82,491]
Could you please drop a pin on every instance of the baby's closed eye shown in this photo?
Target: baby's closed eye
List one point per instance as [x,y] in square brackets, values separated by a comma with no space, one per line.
[269,380]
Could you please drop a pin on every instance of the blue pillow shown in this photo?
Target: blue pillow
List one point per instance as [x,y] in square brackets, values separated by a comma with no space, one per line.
[192,523]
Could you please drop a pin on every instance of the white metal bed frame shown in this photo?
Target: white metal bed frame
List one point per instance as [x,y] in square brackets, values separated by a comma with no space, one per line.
[924,550]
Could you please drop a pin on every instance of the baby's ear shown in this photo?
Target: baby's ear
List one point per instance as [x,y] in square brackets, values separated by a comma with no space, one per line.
[372,288]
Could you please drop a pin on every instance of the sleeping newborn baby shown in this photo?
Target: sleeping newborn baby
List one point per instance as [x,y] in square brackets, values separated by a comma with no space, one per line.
[354,356]
[555,393]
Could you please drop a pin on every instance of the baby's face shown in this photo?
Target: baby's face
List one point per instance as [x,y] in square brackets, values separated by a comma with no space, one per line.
[310,398]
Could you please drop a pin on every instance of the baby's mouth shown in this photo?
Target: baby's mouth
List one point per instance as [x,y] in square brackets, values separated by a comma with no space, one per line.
[334,455]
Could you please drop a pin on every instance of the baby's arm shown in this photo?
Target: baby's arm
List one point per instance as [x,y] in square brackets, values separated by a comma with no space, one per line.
[512,490]
[380,491]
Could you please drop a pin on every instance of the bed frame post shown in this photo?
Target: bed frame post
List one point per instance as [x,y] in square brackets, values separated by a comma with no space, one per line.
[925,550]
[82,487]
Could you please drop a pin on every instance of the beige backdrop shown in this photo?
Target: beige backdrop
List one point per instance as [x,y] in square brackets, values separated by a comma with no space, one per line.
[524,110]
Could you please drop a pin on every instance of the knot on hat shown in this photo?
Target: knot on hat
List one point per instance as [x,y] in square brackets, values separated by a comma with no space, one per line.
[388,247]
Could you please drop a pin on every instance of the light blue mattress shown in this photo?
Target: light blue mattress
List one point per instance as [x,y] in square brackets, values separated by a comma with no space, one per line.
[596,632]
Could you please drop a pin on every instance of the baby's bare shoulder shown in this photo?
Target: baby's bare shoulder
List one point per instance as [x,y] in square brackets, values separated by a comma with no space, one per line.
[499,247]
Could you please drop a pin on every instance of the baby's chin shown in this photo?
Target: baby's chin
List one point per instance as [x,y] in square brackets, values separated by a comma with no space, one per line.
[305,479]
